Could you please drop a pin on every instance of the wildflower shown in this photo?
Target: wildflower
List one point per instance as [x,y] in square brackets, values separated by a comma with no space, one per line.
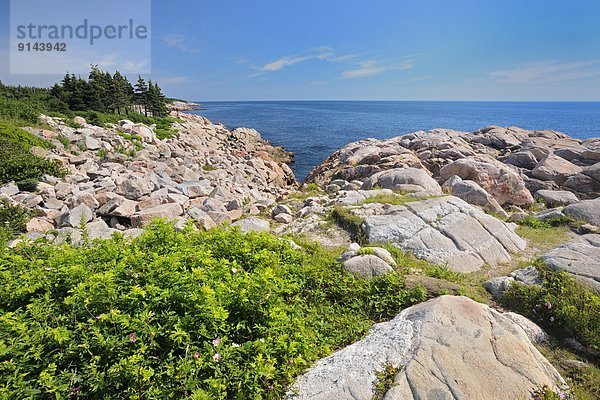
[234,270]
[196,354]
[235,345]
[216,342]
[548,305]
[217,357]
[551,319]
[261,340]
[291,362]
[76,390]
[132,337]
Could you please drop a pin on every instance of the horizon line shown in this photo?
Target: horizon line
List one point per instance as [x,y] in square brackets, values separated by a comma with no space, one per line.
[395,100]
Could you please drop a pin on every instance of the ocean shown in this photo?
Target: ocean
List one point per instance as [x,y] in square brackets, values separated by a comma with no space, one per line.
[312,130]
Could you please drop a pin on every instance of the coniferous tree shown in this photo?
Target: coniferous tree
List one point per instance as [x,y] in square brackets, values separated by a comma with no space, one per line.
[101,92]
[141,94]
[95,91]
[120,93]
[157,100]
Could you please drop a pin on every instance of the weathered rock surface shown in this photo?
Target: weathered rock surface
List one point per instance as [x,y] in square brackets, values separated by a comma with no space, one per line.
[474,194]
[526,276]
[358,196]
[556,198]
[580,258]
[410,180]
[367,266]
[450,347]
[166,211]
[587,182]
[555,168]
[503,183]
[445,230]
[253,224]
[585,210]
[558,160]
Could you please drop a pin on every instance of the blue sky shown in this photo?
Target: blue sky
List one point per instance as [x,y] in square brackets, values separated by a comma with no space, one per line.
[385,49]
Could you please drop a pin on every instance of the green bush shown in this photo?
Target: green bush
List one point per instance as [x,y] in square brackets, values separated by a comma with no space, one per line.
[163,129]
[547,223]
[13,220]
[20,137]
[350,222]
[20,110]
[28,185]
[385,380]
[439,272]
[18,164]
[171,315]
[561,305]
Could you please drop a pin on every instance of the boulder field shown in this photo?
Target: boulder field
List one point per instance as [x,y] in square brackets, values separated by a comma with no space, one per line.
[121,177]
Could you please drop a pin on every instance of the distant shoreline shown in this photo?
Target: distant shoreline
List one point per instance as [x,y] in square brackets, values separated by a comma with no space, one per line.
[182,105]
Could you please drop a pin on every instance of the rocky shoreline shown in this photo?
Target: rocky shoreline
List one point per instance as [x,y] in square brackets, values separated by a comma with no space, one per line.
[183,106]
[450,198]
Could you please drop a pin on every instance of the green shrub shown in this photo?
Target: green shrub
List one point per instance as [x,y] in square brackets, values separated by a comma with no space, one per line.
[72,124]
[19,136]
[102,153]
[22,111]
[28,185]
[547,223]
[164,127]
[561,305]
[350,222]
[135,140]
[385,380]
[439,272]
[393,199]
[13,220]
[174,315]
[65,142]
[545,392]
[18,164]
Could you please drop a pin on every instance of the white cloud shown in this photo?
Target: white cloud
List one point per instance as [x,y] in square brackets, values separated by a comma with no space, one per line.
[320,53]
[373,67]
[179,42]
[173,80]
[367,68]
[283,62]
[547,71]
[133,66]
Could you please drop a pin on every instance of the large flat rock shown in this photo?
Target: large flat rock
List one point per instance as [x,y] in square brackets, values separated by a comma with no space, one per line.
[580,258]
[586,210]
[446,231]
[450,347]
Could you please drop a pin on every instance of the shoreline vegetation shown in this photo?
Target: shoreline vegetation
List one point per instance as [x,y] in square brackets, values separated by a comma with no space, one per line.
[149,253]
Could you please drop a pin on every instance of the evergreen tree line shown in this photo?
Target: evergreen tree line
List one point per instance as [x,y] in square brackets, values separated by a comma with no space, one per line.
[108,93]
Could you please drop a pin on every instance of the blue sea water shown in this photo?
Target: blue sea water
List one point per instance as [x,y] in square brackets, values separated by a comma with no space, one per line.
[314,129]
